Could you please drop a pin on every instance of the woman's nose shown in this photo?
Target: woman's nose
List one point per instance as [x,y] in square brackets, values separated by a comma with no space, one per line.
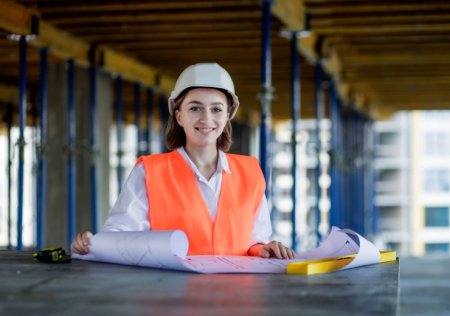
[205,115]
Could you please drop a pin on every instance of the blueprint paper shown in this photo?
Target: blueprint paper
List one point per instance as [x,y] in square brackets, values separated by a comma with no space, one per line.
[168,249]
[154,249]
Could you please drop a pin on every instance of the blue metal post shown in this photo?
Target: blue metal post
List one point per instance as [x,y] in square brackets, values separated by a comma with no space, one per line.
[10,123]
[319,118]
[93,143]
[43,140]
[334,194]
[339,159]
[71,168]
[351,186]
[375,175]
[369,183]
[119,122]
[137,117]
[340,164]
[149,119]
[266,95]
[359,185]
[295,112]
[22,123]
[164,113]
[348,162]
[352,152]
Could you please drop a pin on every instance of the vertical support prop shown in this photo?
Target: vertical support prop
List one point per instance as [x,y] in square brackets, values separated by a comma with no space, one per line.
[149,120]
[137,118]
[119,122]
[164,117]
[295,112]
[375,175]
[266,94]
[71,168]
[336,158]
[319,118]
[40,230]
[93,143]
[21,141]
[10,124]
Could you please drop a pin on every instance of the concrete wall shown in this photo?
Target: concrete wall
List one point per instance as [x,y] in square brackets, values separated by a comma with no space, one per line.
[57,152]
[56,157]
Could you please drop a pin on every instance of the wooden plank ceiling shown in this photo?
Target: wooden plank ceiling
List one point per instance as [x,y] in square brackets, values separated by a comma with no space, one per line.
[383,55]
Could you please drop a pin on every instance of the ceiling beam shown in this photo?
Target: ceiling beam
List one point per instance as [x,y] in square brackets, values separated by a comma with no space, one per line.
[17,19]
[292,13]
[96,19]
[376,19]
[156,28]
[175,35]
[48,8]
[360,7]
[61,43]
[381,29]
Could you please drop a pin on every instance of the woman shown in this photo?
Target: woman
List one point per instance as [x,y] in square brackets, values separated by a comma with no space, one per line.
[217,199]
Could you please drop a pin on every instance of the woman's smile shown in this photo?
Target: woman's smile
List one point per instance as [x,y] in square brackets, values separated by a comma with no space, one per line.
[203,115]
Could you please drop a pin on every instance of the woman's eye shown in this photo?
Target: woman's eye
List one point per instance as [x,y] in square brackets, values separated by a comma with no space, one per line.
[194,108]
[217,110]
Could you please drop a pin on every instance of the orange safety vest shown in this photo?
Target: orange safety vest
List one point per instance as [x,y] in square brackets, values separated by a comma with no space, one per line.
[176,202]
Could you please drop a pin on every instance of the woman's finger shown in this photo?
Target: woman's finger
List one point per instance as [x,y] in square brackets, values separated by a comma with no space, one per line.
[283,251]
[275,247]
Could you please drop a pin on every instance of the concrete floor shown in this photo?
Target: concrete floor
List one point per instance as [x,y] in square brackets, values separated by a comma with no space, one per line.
[33,288]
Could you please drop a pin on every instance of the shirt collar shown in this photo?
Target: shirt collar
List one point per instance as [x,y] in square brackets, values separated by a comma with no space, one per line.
[222,163]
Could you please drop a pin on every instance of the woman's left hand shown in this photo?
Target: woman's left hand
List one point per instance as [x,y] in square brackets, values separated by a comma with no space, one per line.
[272,249]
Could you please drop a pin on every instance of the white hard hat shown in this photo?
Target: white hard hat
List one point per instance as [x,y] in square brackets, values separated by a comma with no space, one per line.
[205,75]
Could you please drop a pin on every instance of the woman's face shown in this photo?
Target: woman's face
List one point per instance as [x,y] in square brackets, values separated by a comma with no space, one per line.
[203,115]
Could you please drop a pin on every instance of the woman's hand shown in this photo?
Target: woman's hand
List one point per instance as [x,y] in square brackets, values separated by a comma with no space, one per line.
[80,244]
[272,249]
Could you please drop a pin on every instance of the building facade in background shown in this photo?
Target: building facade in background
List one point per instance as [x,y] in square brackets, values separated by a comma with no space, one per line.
[430,139]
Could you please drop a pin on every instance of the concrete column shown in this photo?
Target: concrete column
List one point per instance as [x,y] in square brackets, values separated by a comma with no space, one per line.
[82,150]
[85,155]
[56,152]
[104,100]
[56,157]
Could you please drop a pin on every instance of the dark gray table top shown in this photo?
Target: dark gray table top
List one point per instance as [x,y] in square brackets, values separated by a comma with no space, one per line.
[32,288]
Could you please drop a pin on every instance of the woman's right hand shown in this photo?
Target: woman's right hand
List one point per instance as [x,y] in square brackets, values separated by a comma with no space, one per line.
[80,244]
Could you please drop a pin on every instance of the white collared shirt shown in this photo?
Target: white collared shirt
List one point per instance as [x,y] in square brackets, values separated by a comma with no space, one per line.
[130,212]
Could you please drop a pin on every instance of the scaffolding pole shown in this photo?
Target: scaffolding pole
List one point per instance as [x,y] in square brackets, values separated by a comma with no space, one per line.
[93,143]
[21,141]
[119,122]
[266,93]
[40,229]
[137,117]
[295,113]
[71,168]
[149,120]
[319,118]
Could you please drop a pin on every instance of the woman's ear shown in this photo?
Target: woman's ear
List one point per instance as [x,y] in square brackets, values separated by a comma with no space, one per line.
[178,117]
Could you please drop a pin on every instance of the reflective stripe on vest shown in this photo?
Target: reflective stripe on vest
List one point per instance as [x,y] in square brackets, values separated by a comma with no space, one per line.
[176,202]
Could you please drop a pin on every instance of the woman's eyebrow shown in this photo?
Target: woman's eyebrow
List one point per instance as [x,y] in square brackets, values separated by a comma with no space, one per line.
[195,102]
[201,103]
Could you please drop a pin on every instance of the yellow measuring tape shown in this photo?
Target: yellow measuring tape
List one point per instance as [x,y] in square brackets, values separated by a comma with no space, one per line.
[331,264]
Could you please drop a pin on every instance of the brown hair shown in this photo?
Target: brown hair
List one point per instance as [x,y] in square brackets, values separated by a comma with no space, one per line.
[175,136]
